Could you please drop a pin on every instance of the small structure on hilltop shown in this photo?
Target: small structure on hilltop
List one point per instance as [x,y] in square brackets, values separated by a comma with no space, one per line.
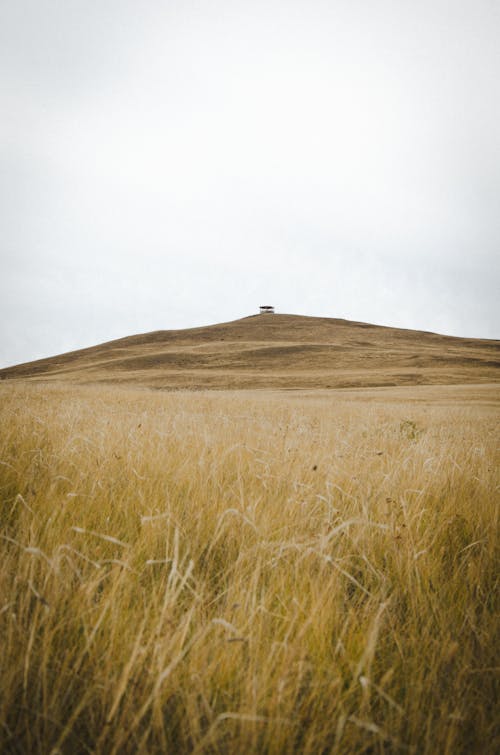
[266,309]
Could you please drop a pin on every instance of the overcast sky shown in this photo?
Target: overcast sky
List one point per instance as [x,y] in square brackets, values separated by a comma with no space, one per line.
[165,164]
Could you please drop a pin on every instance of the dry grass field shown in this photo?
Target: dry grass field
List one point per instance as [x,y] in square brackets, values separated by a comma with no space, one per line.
[248,572]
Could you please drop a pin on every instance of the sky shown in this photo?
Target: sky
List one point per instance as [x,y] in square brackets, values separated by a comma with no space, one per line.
[169,164]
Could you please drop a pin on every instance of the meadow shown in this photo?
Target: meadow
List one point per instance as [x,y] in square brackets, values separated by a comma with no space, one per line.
[248,572]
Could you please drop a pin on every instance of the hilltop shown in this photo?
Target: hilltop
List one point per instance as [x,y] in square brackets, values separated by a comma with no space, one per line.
[274,351]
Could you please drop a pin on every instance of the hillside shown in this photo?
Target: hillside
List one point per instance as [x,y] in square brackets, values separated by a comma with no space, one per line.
[275,351]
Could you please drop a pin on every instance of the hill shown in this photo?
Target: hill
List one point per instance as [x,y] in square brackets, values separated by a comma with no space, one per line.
[275,351]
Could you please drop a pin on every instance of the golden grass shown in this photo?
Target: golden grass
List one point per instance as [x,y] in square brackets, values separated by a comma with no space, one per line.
[247,573]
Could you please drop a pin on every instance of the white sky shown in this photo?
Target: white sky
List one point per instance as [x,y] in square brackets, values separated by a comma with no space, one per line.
[176,163]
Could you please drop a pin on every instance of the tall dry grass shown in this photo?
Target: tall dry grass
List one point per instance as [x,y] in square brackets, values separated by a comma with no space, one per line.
[225,573]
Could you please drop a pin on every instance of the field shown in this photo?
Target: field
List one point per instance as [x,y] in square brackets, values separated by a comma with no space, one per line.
[248,572]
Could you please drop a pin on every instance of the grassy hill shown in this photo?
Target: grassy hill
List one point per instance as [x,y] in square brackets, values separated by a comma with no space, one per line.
[275,351]
[251,571]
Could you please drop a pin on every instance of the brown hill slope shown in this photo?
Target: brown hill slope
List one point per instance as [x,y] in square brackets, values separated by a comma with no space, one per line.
[275,351]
